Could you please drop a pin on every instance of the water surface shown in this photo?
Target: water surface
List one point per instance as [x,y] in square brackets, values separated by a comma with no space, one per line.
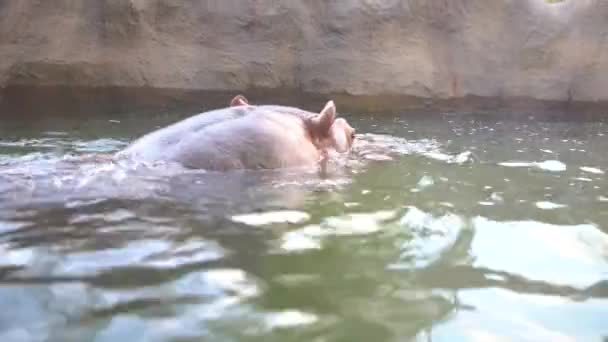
[445,227]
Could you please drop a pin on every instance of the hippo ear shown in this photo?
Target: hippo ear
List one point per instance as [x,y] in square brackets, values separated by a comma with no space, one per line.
[239,100]
[321,123]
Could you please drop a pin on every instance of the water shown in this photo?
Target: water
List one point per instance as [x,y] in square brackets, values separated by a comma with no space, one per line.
[446,227]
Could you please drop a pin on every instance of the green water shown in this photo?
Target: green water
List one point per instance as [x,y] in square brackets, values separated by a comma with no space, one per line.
[437,227]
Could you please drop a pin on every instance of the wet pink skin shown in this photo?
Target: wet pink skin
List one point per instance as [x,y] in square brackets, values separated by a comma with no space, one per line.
[245,136]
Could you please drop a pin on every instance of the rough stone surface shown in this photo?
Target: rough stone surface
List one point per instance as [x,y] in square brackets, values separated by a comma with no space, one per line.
[441,49]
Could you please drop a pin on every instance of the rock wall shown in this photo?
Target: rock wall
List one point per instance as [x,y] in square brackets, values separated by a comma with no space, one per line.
[438,49]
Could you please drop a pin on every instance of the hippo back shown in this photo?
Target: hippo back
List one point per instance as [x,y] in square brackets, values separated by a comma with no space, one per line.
[250,137]
[153,146]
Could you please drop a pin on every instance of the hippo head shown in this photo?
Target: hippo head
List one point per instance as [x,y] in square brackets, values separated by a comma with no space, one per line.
[326,131]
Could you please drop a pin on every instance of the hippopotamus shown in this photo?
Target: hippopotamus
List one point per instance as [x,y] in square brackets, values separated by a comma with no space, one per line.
[246,136]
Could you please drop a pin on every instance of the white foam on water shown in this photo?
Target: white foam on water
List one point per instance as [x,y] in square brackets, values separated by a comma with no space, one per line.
[357,224]
[380,147]
[547,165]
[288,319]
[425,182]
[460,158]
[299,240]
[551,165]
[546,205]
[486,203]
[377,157]
[496,197]
[593,170]
[272,217]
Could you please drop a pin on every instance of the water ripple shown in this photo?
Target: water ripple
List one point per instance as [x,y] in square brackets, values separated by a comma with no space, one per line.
[424,231]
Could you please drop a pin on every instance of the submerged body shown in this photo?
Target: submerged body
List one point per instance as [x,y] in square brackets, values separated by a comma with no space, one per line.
[243,136]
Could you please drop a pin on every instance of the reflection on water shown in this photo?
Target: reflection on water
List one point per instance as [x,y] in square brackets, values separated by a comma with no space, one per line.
[446,227]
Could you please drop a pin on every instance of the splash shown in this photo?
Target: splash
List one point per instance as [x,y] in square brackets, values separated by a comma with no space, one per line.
[80,175]
[379,147]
